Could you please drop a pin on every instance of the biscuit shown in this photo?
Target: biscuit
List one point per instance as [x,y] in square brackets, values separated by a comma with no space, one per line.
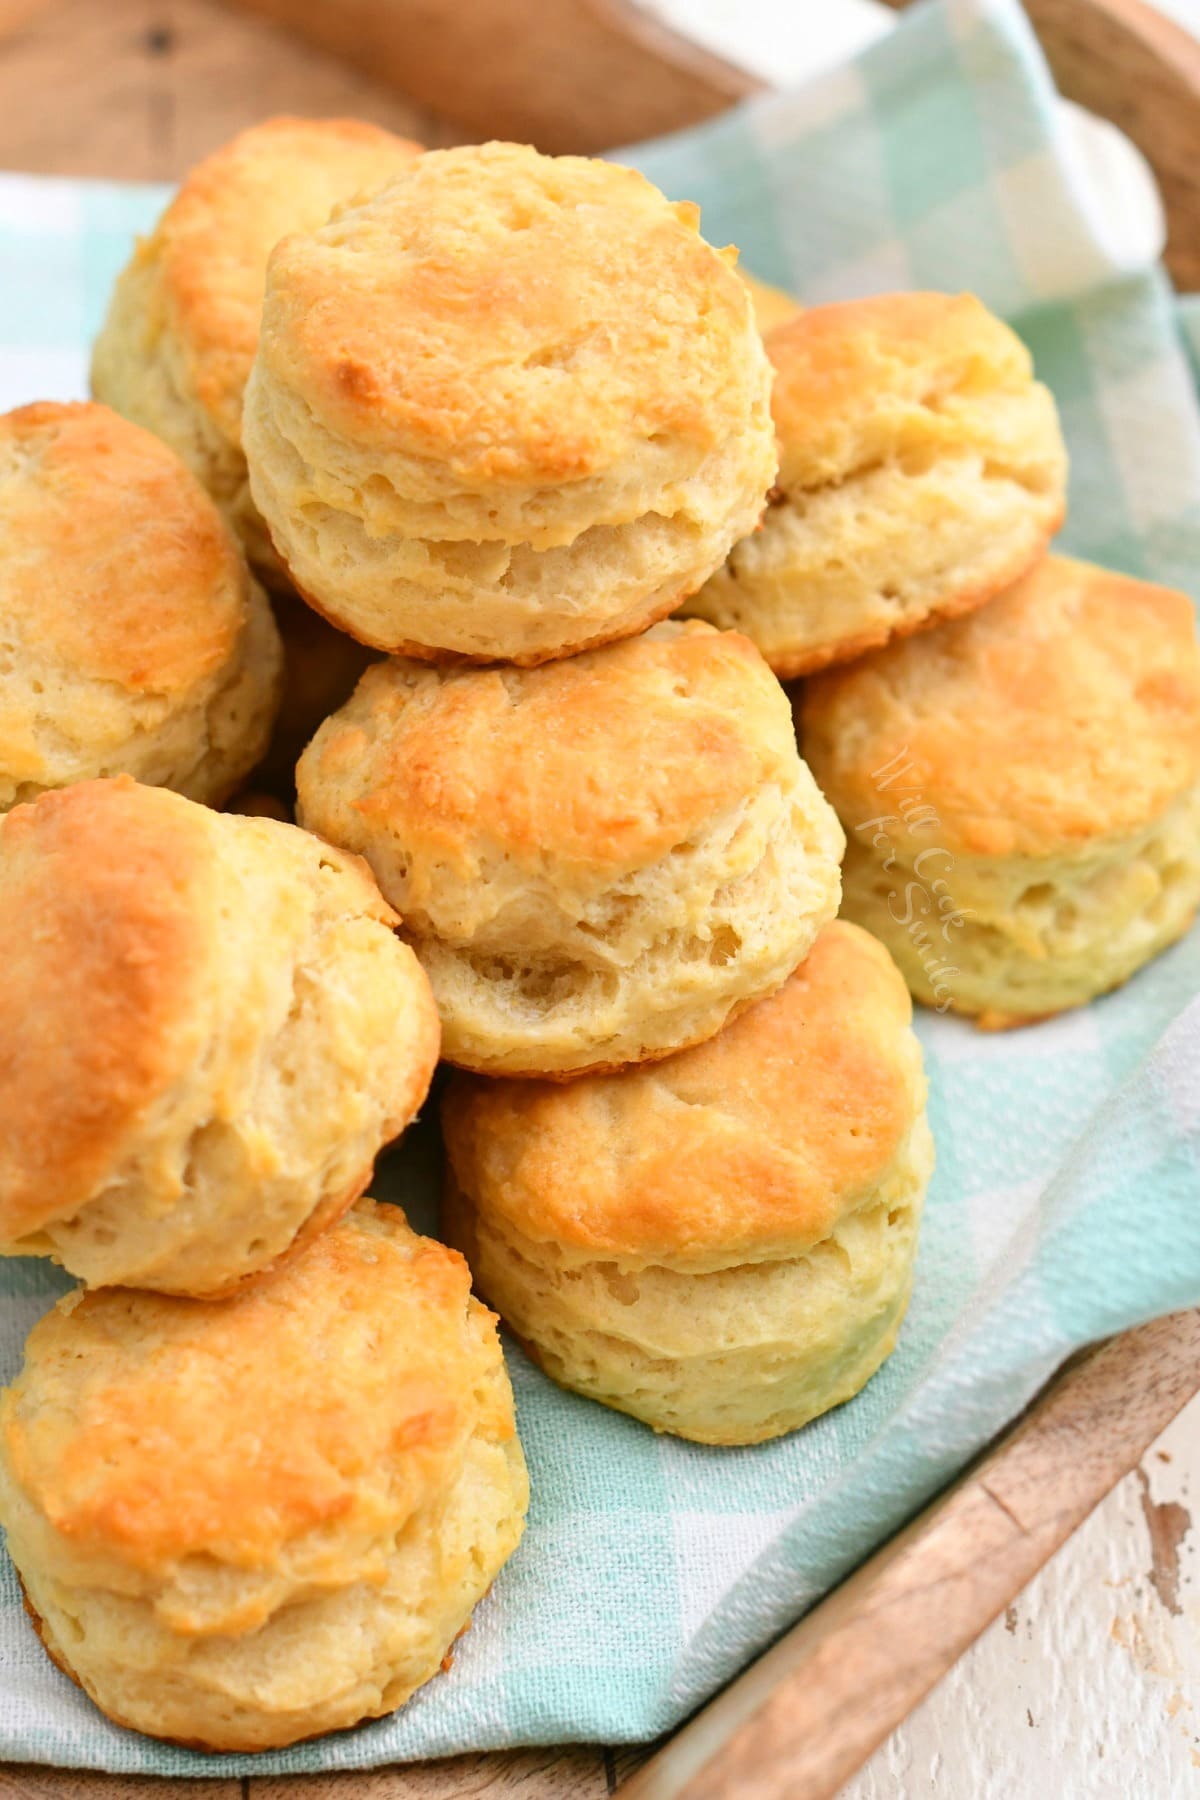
[208,1030]
[242,1523]
[1021,791]
[597,861]
[511,407]
[721,1245]
[182,325]
[132,637]
[922,470]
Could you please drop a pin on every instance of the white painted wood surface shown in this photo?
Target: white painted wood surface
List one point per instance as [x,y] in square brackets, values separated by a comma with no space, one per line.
[1089,1687]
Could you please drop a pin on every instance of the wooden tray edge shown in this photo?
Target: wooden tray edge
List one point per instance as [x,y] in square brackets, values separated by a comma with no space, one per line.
[803,1718]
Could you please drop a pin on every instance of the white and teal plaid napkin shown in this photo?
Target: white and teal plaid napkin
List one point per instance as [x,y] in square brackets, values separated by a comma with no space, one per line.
[1066,1203]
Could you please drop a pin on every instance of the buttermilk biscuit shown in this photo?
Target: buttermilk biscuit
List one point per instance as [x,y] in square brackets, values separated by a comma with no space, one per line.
[597,861]
[182,325]
[921,470]
[132,638]
[1021,791]
[208,1029]
[721,1245]
[512,406]
[242,1523]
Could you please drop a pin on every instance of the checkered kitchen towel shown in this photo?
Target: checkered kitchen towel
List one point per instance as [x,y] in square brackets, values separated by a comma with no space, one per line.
[1067,1197]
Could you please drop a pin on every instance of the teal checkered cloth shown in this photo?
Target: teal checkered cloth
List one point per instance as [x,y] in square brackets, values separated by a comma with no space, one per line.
[1066,1203]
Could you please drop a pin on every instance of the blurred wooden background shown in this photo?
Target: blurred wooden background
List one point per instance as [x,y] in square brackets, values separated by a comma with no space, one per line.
[139,89]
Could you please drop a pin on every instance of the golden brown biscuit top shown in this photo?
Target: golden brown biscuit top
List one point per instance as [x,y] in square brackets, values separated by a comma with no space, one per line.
[605,761]
[1067,709]
[114,563]
[751,1145]
[107,929]
[335,1394]
[211,245]
[114,929]
[514,318]
[864,379]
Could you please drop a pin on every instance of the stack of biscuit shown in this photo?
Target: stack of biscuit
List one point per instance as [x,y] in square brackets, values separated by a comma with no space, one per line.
[480,420]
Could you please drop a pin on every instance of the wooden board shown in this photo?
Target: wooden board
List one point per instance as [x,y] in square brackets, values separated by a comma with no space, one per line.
[1088,1684]
[810,1712]
[141,89]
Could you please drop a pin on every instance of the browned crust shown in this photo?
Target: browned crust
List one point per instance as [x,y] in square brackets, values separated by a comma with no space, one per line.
[332,331]
[562,1076]
[147,590]
[618,1171]
[206,257]
[955,606]
[533,659]
[42,1630]
[119,878]
[43,1634]
[530,659]
[991,1019]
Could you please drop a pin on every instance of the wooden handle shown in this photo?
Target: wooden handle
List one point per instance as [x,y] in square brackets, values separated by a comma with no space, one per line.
[1130,64]
[566,75]
[807,1715]
[586,74]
